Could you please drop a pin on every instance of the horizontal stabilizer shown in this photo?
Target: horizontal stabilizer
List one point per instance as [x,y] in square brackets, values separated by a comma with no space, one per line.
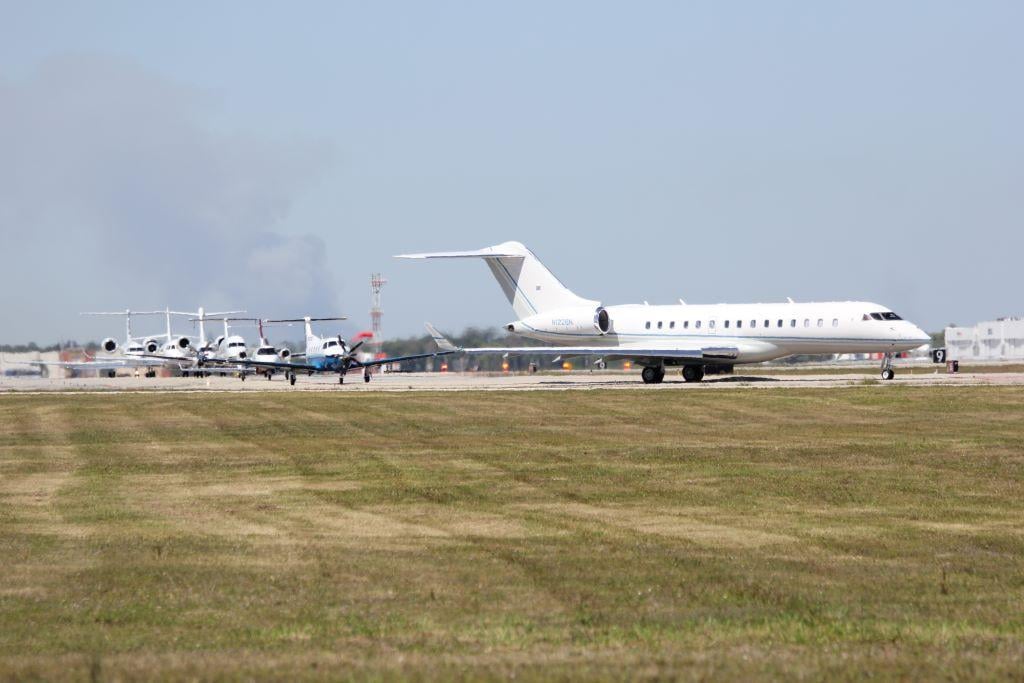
[506,250]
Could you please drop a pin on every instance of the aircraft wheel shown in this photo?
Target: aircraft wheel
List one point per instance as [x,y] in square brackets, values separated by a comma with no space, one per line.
[112,373]
[652,375]
[269,375]
[693,373]
[291,379]
[888,374]
[242,377]
[366,377]
[341,379]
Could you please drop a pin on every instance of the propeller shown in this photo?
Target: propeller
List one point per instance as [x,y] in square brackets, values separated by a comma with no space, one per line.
[348,357]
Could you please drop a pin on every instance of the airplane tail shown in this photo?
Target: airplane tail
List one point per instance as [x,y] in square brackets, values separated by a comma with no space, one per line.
[442,342]
[528,285]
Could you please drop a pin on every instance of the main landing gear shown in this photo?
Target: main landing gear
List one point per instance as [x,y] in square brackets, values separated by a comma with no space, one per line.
[887,371]
[693,373]
[291,378]
[652,374]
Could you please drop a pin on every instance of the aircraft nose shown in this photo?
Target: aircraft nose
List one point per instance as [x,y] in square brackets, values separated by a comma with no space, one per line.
[920,335]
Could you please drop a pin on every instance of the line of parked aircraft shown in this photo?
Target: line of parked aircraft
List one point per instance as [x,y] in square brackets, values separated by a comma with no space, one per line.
[228,353]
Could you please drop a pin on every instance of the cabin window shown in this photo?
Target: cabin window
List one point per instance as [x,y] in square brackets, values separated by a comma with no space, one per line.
[726,324]
[672,325]
[659,324]
[711,324]
[647,325]
[780,322]
[753,323]
[821,323]
[835,322]
[739,323]
[686,324]
[792,322]
[807,322]
[697,324]
[768,323]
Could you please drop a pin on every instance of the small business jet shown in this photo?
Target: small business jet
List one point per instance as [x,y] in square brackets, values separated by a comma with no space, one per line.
[182,351]
[323,355]
[130,353]
[692,337]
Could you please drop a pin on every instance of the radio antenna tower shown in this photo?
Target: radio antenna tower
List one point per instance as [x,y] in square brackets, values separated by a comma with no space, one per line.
[377,281]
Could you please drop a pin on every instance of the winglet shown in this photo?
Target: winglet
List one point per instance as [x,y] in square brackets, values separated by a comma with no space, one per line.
[439,339]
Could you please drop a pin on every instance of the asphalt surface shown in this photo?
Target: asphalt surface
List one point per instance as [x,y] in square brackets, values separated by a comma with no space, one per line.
[920,376]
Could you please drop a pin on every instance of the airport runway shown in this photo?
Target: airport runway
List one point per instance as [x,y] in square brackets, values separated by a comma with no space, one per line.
[513,382]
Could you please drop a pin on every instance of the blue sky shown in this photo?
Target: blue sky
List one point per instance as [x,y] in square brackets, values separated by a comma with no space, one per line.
[271,156]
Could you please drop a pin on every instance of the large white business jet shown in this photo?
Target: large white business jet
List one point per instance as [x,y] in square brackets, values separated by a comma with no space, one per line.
[688,336]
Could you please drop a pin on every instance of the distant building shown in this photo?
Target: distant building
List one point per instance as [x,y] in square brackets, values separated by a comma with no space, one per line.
[1001,339]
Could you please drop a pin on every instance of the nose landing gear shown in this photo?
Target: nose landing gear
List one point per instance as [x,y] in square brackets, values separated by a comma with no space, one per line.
[887,371]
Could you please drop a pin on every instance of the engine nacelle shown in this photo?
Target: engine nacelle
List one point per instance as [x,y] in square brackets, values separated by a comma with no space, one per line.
[152,346]
[109,345]
[182,342]
[285,353]
[576,321]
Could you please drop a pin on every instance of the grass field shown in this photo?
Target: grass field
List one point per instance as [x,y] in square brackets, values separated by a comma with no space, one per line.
[598,534]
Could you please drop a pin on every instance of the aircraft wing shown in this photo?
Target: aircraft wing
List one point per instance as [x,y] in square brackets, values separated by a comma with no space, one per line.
[245,362]
[131,361]
[697,353]
[399,359]
[76,365]
[304,367]
[707,353]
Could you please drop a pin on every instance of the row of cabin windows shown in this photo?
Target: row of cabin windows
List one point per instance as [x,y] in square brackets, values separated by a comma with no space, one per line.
[739,323]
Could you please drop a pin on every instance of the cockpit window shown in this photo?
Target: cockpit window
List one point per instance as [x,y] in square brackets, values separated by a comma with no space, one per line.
[889,315]
[330,343]
[876,316]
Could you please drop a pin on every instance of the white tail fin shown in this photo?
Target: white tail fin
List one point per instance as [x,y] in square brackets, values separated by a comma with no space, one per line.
[442,342]
[529,286]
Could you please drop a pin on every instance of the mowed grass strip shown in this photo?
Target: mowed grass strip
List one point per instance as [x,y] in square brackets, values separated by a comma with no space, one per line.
[599,534]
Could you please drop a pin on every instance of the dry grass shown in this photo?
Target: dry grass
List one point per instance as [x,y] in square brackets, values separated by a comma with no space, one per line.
[599,534]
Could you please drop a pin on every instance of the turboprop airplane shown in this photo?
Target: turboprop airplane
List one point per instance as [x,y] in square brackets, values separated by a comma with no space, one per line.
[692,337]
[324,355]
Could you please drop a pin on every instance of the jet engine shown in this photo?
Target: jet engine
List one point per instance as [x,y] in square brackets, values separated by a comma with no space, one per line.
[152,346]
[576,321]
[182,342]
[109,345]
[285,353]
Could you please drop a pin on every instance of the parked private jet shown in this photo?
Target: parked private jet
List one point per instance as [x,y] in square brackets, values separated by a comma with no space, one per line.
[130,353]
[692,337]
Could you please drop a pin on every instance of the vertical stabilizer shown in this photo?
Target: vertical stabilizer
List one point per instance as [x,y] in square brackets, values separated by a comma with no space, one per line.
[528,285]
